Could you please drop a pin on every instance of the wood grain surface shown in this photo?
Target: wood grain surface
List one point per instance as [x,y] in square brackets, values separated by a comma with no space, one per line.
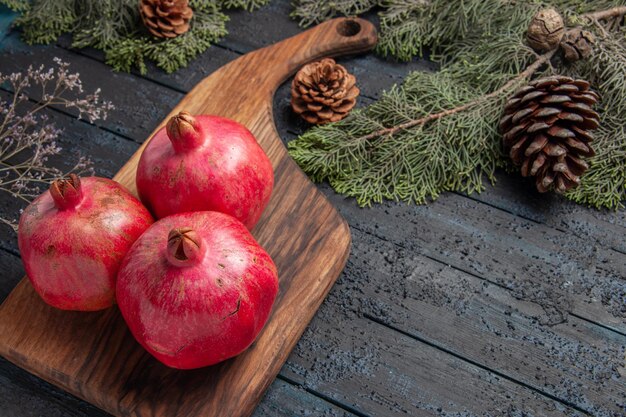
[93,355]
[507,302]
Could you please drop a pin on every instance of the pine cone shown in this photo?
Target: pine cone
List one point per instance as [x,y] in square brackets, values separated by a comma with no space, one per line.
[577,44]
[323,92]
[545,30]
[166,18]
[546,130]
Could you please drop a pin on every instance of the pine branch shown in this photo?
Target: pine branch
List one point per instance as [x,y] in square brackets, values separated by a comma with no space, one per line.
[209,25]
[419,162]
[105,22]
[115,27]
[438,131]
[45,20]
[604,185]
[248,5]
[407,26]
[17,5]
[309,12]
[527,73]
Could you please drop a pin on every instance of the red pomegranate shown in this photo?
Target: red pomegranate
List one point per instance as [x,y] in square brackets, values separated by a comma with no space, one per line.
[73,238]
[196,289]
[205,163]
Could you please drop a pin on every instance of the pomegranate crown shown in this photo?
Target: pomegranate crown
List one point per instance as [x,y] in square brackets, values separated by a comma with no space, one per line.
[184,132]
[184,247]
[66,193]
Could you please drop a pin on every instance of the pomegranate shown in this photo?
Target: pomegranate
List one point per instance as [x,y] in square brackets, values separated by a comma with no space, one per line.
[205,163]
[73,239]
[196,289]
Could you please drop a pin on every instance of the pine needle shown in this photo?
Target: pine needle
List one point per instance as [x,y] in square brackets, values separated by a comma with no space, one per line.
[17,5]
[248,5]
[309,12]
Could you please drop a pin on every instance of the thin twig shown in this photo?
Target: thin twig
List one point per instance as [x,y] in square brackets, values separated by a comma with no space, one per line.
[11,109]
[11,224]
[605,14]
[528,72]
[601,28]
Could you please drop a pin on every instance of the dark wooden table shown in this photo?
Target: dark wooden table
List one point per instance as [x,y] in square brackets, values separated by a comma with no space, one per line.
[504,303]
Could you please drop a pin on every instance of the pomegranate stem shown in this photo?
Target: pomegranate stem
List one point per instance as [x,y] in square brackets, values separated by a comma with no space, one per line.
[184,132]
[184,247]
[66,193]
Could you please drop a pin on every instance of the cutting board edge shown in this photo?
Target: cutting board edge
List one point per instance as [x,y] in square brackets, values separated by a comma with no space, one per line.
[52,376]
[331,283]
[328,44]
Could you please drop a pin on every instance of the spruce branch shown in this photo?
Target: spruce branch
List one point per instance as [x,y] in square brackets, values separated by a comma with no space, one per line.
[248,5]
[407,26]
[309,12]
[47,20]
[419,162]
[115,27]
[17,5]
[514,82]
[209,25]
[438,131]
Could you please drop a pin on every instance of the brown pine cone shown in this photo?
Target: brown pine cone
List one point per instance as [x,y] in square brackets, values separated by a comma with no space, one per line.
[323,92]
[166,18]
[546,130]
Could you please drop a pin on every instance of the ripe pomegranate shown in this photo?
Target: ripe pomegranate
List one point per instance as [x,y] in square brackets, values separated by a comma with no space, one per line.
[73,239]
[205,163]
[196,289]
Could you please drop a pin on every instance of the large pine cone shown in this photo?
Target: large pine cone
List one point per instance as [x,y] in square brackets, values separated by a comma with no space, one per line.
[323,92]
[166,18]
[546,128]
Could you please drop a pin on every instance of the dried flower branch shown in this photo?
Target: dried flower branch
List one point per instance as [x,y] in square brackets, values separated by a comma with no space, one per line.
[28,139]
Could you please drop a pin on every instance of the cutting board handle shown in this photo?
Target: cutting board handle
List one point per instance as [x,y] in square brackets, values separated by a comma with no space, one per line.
[93,356]
[335,37]
[243,86]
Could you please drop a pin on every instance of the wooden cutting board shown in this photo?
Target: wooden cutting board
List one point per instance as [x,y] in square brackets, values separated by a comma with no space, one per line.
[93,355]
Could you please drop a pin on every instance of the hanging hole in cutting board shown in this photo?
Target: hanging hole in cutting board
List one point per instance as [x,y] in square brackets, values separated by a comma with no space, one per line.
[348,28]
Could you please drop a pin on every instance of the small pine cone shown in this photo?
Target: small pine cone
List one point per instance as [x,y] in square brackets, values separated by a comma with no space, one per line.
[166,18]
[323,92]
[546,130]
[545,30]
[577,44]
